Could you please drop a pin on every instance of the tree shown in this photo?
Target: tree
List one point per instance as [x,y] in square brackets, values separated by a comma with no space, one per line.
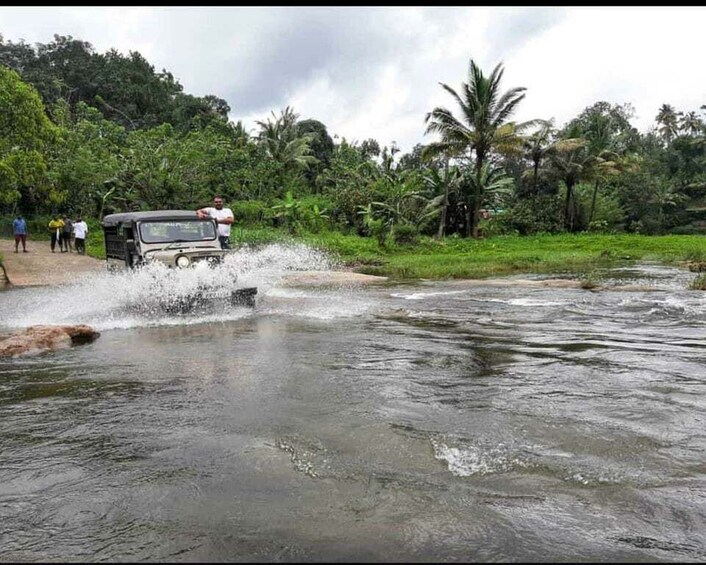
[610,137]
[87,155]
[441,183]
[284,143]
[348,181]
[496,184]
[370,148]
[26,134]
[668,120]
[321,143]
[125,88]
[483,127]
[537,146]
[691,124]
[321,146]
[572,161]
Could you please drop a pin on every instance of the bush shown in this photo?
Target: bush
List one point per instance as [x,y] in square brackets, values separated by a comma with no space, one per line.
[687,230]
[405,233]
[608,215]
[315,212]
[542,214]
[251,213]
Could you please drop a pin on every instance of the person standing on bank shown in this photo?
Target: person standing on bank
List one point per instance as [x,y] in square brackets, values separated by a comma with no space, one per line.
[19,230]
[80,231]
[55,227]
[66,233]
[224,218]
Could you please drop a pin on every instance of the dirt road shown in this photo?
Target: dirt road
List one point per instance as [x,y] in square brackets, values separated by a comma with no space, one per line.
[39,266]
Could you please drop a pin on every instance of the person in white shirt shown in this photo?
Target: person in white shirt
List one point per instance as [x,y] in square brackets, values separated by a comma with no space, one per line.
[80,231]
[224,218]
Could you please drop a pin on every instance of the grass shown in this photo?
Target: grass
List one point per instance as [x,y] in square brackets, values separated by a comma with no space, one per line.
[497,256]
[455,258]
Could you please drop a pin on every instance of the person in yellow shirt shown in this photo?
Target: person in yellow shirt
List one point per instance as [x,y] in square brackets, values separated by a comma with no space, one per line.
[55,227]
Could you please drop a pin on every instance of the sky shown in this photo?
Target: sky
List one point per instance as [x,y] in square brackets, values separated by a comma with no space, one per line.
[375,72]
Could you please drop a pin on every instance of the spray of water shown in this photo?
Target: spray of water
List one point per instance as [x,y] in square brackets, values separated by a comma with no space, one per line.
[138,297]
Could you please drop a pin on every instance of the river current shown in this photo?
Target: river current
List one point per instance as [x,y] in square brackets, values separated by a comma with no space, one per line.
[433,421]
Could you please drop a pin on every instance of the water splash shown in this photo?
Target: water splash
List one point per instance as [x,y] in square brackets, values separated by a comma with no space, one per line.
[135,298]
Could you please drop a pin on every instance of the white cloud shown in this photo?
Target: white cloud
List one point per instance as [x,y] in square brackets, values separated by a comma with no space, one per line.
[375,72]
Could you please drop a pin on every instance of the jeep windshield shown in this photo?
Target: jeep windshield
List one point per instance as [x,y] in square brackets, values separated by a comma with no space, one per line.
[177,230]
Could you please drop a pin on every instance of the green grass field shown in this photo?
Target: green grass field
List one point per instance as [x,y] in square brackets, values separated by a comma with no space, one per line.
[497,256]
[469,258]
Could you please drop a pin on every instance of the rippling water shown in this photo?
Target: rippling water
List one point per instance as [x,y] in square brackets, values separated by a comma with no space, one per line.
[425,422]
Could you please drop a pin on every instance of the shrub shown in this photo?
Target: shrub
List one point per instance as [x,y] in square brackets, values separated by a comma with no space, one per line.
[405,233]
[251,213]
[687,230]
[542,214]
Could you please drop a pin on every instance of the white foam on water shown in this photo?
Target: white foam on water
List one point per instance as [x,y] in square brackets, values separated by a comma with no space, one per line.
[534,302]
[470,460]
[423,295]
[684,305]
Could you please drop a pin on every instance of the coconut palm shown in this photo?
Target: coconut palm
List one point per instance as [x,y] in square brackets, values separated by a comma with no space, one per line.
[692,124]
[537,146]
[668,120]
[497,185]
[572,161]
[440,184]
[482,128]
[283,142]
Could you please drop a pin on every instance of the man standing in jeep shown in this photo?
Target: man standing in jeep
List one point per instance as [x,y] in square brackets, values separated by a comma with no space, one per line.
[224,218]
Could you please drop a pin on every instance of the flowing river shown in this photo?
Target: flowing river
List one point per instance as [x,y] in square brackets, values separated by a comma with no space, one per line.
[418,422]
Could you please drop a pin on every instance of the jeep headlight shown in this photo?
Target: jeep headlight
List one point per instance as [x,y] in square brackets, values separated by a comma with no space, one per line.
[183,261]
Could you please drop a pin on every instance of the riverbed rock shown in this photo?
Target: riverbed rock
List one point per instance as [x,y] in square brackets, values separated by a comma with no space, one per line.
[40,339]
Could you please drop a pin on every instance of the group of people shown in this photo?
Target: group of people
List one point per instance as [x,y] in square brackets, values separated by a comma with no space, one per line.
[64,231]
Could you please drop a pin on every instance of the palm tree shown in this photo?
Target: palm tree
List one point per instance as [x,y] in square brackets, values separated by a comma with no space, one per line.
[572,162]
[283,142]
[441,183]
[665,196]
[496,184]
[692,124]
[668,119]
[482,128]
[537,146]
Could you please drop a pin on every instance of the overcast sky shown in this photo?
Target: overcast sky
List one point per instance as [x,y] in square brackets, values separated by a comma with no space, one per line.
[375,71]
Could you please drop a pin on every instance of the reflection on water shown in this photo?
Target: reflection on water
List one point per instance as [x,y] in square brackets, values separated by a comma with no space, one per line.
[425,422]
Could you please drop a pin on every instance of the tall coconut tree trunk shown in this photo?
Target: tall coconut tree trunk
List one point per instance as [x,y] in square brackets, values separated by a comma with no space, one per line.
[593,203]
[568,207]
[477,194]
[441,232]
[445,206]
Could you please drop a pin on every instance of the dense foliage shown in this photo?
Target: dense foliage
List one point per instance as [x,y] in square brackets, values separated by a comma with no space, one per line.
[89,133]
